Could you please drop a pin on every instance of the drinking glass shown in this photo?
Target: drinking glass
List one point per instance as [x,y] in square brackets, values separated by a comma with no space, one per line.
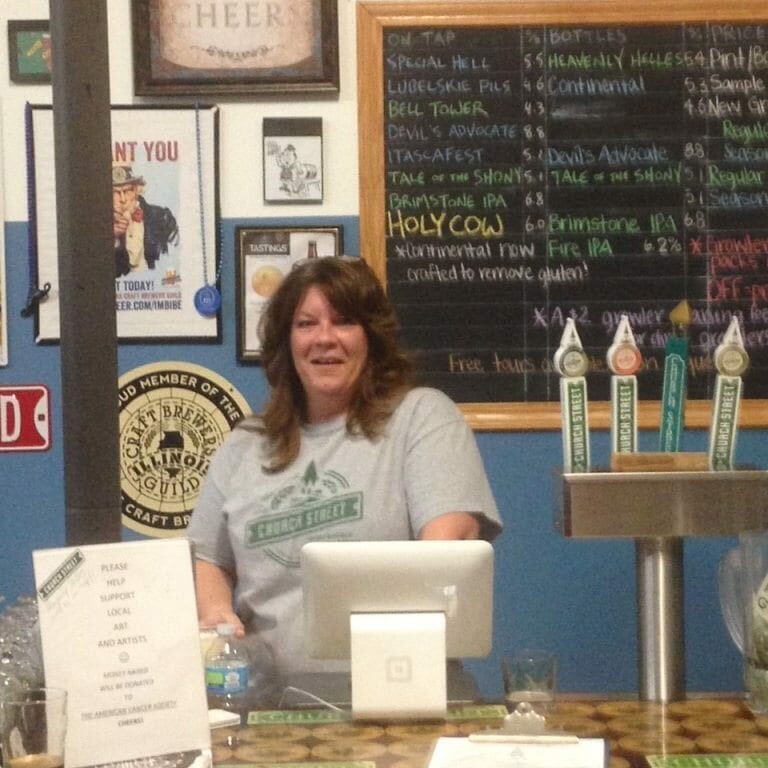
[743,587]
[33,726]
[529,677]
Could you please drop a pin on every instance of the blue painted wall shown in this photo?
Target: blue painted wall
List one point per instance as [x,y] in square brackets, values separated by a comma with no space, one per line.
[574,597]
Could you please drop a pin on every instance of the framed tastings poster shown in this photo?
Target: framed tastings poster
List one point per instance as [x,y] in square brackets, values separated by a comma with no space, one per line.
[527,163]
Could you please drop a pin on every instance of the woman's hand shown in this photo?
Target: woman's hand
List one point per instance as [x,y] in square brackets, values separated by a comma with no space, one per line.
[222,617]
[213,589]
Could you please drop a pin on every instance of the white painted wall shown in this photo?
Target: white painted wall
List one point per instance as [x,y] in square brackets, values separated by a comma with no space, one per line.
[240,145]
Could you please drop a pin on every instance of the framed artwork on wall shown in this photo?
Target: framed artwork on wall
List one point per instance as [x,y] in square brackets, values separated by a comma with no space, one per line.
[166,207]
[293,160]
[264,256]
[222,47]
[3,307]
[29,51]
[3,292]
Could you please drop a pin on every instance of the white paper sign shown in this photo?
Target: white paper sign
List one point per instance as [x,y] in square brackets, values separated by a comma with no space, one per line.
[119,633]
[450,752]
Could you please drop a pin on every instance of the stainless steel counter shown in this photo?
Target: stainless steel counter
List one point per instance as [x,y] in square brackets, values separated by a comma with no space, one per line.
[659,510]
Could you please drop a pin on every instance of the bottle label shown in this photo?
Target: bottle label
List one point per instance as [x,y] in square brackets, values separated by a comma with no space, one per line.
[226,680]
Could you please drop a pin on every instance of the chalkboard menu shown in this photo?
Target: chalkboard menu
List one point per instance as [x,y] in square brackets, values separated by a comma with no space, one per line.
[535,172]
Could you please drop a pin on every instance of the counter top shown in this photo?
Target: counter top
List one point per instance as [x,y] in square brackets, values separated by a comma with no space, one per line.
[633,729]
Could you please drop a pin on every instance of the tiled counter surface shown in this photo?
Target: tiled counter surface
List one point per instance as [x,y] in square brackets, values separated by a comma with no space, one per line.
[633,729]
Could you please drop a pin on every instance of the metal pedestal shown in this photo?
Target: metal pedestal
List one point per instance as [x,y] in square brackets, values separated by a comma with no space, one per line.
[659,574]
[658,510]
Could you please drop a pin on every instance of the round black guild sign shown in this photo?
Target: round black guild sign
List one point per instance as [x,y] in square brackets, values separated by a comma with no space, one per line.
[173,417]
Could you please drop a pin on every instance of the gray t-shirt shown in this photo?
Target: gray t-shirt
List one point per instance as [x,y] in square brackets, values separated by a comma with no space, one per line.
[339,488]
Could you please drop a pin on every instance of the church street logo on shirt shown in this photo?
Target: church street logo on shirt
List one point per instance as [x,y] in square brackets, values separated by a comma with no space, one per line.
[173,418]
[308,503]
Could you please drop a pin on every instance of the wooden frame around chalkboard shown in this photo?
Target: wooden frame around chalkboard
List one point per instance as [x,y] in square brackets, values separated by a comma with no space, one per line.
[374,17]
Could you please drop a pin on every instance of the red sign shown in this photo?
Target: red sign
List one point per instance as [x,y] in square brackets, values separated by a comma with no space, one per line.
[25,423]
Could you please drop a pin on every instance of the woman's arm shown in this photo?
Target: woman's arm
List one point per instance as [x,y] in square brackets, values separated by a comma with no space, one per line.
[213,589]
[444,472]
[453,525]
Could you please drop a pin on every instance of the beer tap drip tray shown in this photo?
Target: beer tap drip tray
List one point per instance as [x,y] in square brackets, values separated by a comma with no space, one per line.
[606,504]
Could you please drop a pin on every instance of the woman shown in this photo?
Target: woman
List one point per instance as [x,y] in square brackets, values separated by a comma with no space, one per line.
[346,449]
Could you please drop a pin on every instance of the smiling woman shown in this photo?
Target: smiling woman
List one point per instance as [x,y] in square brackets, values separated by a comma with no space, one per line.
[329,351]
[347,448]
[344,293]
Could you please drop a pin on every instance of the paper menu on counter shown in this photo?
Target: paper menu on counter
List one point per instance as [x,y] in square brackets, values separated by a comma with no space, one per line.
[452,752]
[119,632]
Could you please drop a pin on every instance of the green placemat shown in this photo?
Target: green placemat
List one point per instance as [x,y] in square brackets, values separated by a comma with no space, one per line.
[757,760]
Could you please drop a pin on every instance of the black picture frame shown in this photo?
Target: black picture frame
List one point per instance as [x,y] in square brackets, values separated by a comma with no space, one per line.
[237,55]
[29,52]
[172,153]
[293,160]
[264,255]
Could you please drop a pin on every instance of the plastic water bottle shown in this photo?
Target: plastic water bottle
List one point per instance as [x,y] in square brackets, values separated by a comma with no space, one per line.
[226,673]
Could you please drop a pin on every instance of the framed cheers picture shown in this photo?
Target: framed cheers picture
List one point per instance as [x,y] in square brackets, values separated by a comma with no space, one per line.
[165,208]
[222,47]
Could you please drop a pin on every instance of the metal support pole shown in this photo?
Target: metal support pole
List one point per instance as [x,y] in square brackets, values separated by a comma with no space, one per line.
[660,630]
[82,142]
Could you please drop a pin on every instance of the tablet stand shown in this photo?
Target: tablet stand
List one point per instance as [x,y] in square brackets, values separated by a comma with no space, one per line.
[398,665]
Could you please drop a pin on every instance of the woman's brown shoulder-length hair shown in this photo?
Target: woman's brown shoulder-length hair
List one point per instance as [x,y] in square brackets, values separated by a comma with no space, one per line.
[354,291]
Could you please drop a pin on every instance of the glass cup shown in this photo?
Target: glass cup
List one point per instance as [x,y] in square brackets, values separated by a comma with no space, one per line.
[529,677]
[33,727]
[743,586]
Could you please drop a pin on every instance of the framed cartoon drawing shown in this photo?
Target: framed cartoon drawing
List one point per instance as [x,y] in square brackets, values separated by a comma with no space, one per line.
[264,256]
[165,209]
[221,47]
[293,160]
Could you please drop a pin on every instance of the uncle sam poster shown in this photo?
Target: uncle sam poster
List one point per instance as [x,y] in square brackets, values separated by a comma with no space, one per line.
[165,208]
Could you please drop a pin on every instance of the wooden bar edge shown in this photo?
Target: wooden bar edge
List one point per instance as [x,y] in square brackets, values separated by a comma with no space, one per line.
[516,417]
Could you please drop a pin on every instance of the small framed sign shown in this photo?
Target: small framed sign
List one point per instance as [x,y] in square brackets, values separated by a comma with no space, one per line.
[29,51]
[293,160]
[264,256]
